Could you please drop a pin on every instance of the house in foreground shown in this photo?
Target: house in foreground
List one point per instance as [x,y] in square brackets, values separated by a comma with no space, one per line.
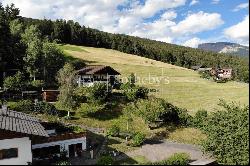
[89,75]
[16,133]
[23,139]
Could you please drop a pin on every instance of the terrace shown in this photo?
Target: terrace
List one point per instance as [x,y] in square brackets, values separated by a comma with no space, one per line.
[63,141]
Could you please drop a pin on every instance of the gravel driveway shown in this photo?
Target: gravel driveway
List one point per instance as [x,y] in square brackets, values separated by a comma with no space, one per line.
[162,150]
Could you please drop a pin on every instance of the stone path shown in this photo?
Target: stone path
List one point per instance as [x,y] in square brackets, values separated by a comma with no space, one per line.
[164,149]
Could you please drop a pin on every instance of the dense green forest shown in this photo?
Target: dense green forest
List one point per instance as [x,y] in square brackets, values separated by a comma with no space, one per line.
[71,32]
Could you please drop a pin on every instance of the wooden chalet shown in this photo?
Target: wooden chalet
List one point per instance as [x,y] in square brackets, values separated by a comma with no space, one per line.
[222,73]
[89,75]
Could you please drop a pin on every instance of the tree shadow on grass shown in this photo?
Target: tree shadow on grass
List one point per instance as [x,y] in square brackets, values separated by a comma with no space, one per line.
[120,158]
[160,136]
[105,115]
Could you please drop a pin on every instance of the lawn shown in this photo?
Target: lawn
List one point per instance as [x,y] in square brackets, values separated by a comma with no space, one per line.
[180,86]
[136,160]
[187,136]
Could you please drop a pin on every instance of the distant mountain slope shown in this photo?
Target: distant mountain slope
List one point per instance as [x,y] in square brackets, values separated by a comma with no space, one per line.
[226,47]
[70,32]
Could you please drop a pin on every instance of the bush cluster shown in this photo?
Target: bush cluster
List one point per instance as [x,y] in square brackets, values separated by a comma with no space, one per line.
[99,92]
[76,129]
[205,74]
[105,160]
[178,159]
[156,110]
[44,107]
[113,131]
[227,133]
[138,139]
[133,92]
[200,119]
[25,106]
[37,84]
[175,159]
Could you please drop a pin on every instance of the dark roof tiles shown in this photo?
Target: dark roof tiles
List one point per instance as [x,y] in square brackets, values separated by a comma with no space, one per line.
[21,122]
[93,69]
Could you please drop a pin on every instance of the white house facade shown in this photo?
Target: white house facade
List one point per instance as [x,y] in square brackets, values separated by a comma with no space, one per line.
[69,146]
[15,151]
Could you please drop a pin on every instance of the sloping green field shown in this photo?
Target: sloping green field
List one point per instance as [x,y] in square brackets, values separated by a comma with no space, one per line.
[180,86]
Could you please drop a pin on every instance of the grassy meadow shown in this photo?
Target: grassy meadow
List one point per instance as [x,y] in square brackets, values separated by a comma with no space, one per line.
[180,86]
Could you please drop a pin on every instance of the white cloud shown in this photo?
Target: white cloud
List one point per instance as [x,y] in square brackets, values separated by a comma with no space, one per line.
[241,6]
[193,2]
[215,1]
[94,13]
[194,42]
[151,7]
[239,32]
[104,15]
[169,15]
[197,22]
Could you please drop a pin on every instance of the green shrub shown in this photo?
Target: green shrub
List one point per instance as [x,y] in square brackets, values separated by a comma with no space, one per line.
[80,94]
[63,163]
[44,107]
[156,110]
[183,116]
[113,131]
[178,159]
[227,133]
[205,74]
[76,129]
[26,106]
[200,118]
[150,110]
[99,92]
[38,84]
[14,83]
[105,160]
[90,109]
[133,92]
[138,139]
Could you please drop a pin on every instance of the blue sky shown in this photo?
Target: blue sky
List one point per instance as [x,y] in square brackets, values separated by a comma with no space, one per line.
[184,22]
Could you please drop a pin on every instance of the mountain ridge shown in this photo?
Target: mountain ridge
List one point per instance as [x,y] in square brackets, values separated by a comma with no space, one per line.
[225,47]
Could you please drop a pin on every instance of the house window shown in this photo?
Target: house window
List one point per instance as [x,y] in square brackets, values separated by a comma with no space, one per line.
[8,153]
[46,152]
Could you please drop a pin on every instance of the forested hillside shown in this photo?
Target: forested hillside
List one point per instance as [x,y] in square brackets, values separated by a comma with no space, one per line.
[73,33]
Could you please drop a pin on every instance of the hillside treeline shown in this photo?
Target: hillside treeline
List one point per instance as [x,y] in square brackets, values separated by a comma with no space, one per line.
[71,32]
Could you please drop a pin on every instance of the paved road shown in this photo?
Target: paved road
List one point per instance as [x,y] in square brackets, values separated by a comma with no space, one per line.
[162,150]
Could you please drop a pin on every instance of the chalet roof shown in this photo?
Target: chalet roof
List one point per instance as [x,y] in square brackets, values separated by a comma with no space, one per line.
[97,69]
[60,137]
[21,123]
[196,67]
